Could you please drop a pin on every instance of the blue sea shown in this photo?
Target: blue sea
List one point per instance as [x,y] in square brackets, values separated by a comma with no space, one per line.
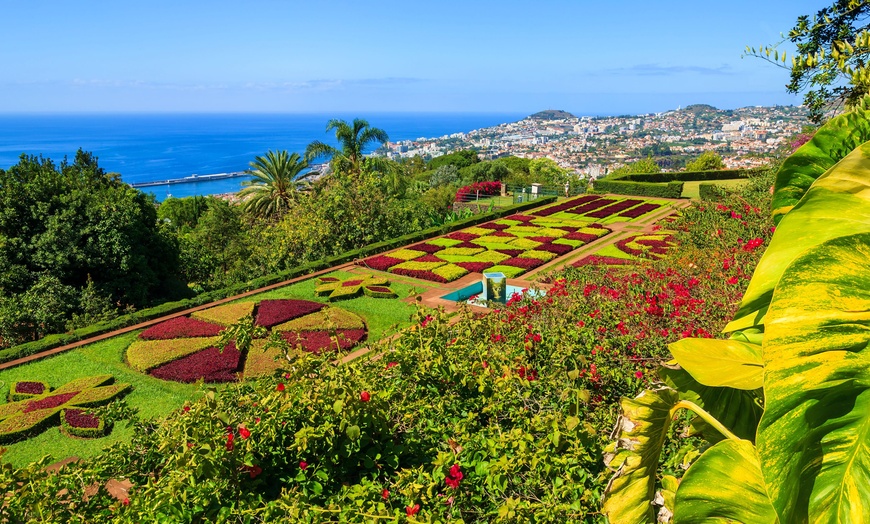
[153,147]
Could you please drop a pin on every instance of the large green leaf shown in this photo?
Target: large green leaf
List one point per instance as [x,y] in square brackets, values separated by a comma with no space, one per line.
[640,434]
[820,216]
[737,410]
[814,436]
[832,142]
[724,485]
[720,363]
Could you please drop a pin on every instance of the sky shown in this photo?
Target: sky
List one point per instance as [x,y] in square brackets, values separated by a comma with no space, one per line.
[602,57]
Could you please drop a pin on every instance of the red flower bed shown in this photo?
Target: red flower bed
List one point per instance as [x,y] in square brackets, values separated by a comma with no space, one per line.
[459,235]
[466,244]
[273,312]
[420,273]
[349,283]
[584,237]
[559,249]
[380,289]
[568,204]
[317,341]
[466,193]
[501,233]
[426,248]
[30,388]
[49,402]
[494,226]
[545,240]
[181,327]
[431,258]
[211,364]
[639,210]
[380,262]
[327,280]
[525,263]
[77,418]
[511,252]
[594,260]
[571,229]
[591,206]
[520,218]
[613,209]
[475,267]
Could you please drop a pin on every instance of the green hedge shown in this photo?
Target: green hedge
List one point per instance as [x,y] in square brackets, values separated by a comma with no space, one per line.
[685,176]
[710,192]
[618,187]
[61,339]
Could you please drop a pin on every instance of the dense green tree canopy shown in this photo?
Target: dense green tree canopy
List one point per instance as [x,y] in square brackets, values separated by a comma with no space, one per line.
[830,62]
[706,161]
[646,165]
[63,226]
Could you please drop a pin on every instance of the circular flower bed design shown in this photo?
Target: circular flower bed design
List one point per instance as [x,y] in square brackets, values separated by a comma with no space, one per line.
[185,349]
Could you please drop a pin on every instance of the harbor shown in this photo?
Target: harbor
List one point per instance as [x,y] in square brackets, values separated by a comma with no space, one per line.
[191,178]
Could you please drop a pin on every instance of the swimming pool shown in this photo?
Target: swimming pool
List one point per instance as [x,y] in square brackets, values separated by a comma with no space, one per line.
[476,290]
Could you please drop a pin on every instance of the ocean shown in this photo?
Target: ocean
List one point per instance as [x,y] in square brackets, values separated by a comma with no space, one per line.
[153,147]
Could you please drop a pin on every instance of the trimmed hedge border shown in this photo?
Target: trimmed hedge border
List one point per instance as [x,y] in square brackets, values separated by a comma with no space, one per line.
[52,341]
[663,185]
[708,191]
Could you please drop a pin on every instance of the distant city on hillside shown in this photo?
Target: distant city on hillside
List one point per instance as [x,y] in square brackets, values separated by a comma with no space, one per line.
[593,146]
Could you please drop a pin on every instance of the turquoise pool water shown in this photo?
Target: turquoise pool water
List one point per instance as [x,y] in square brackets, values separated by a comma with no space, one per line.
[476,289]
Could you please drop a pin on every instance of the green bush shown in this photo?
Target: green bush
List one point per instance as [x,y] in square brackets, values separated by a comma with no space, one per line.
[684,176]
[710,192]
[617,187]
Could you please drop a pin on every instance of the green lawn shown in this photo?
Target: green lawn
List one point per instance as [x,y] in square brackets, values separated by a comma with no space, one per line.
[690,189]
[154,397]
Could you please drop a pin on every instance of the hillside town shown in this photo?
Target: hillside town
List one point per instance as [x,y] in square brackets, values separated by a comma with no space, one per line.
[593,146]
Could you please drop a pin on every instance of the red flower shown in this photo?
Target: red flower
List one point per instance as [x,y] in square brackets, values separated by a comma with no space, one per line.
[385,494]
[638,374]
[186,408]
[733,280]
[253,471]
[452,483]
[364,396]
[244,432]
[391,365]
[230,438]
[454,476]
[303,465]
[280,387]
[125,502]
[412,510]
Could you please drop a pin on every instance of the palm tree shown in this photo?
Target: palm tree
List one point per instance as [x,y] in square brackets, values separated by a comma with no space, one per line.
[276,184]
[353,139]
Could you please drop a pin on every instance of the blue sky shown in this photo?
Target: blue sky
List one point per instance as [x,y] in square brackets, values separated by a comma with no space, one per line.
[444,56]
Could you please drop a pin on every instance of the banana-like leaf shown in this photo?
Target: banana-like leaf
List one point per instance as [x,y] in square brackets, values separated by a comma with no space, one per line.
[737,410]
[814,436]
[724,485]
[832,142]
[820,216]
[640,434]
[720,363]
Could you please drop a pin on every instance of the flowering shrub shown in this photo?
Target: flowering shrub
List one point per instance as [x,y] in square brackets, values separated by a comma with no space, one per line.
[466,193]
[181,327]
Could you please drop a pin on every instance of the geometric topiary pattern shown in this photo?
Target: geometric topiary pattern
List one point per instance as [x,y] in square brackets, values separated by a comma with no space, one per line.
[311,326]
[336,289]
[521,242]
[20,419]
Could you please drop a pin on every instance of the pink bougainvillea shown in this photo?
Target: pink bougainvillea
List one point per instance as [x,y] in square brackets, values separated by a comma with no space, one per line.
[181,327]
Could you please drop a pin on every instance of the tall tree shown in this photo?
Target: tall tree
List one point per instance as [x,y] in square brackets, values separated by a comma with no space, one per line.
[276,185]
[831,58]
[353,140]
